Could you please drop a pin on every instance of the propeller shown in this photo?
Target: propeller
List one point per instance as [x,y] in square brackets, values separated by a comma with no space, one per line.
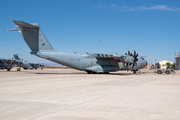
[135,55]
[135,58]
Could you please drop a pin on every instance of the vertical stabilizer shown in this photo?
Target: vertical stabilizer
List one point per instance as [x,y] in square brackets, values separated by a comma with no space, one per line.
[33,36]
[16,57]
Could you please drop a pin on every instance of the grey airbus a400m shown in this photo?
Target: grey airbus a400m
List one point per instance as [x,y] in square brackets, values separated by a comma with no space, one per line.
[91,63]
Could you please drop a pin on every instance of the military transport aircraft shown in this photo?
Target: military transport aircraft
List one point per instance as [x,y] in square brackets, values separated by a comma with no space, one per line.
[10,63]
[6,64]
[91,63]
[25,64]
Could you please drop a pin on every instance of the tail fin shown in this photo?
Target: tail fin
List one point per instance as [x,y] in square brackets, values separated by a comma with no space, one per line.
[33,36]
[16,57]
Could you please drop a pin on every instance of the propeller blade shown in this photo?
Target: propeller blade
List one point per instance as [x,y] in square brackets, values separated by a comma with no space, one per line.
[128,52]
[133,65]
[126,65]
[125,53]
[137,55]
[134,53]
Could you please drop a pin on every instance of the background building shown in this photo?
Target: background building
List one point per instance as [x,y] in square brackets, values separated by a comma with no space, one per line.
[161,64]
[177,62]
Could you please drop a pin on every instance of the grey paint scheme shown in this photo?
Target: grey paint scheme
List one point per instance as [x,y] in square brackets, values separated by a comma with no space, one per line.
[6,64]
[41,47]
[24,64]
[10,63]
[2,65]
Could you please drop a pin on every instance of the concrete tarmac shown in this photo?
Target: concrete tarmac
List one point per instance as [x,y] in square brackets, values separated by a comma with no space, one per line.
[66,94]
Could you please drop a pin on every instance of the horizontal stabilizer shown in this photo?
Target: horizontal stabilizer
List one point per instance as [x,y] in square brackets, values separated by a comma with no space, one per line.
[24,25]
[11,29]
[33,36]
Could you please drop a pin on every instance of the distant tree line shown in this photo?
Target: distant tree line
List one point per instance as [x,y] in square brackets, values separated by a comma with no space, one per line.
[170,66]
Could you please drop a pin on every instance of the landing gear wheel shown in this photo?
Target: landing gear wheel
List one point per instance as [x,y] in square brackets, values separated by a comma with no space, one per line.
[8,69]
[134,72]
[106,72]
[89,72]
[167,72]
[159,72]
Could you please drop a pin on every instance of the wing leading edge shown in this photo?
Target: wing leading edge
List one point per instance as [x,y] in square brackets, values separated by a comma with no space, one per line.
[119,58]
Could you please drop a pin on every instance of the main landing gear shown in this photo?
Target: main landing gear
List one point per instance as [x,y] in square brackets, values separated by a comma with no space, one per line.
[90,72]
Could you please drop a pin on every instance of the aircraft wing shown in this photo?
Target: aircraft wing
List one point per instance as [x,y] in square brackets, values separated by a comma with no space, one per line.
[6,60]
[119,58]
[10,61]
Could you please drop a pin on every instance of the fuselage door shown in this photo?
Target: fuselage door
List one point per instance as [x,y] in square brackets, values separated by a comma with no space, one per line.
[88,64]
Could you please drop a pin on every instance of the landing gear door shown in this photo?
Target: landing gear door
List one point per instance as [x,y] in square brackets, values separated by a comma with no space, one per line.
[88,64]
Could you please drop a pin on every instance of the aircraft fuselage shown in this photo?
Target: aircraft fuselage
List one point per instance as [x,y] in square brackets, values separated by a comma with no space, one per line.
[89,62]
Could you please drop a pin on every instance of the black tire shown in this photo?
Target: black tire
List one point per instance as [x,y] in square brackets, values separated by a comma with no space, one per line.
[89,72]
[134,72]
[8,69]
[106,72]
[159,72]
[167,72]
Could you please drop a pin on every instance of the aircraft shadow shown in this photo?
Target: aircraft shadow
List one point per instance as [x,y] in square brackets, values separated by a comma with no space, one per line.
[61,73]
[89,74]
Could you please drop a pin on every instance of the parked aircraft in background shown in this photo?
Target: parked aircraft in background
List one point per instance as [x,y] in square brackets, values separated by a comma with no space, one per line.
[91,63]
[25,64]
[6,64]
[10,63]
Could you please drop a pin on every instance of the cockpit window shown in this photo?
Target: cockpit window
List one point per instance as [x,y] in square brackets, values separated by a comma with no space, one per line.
[142,58]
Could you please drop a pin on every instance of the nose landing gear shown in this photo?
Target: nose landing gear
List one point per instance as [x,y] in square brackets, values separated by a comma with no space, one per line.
[134,71]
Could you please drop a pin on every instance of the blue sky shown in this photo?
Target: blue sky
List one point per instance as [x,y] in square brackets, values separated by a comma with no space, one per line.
[151,27]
